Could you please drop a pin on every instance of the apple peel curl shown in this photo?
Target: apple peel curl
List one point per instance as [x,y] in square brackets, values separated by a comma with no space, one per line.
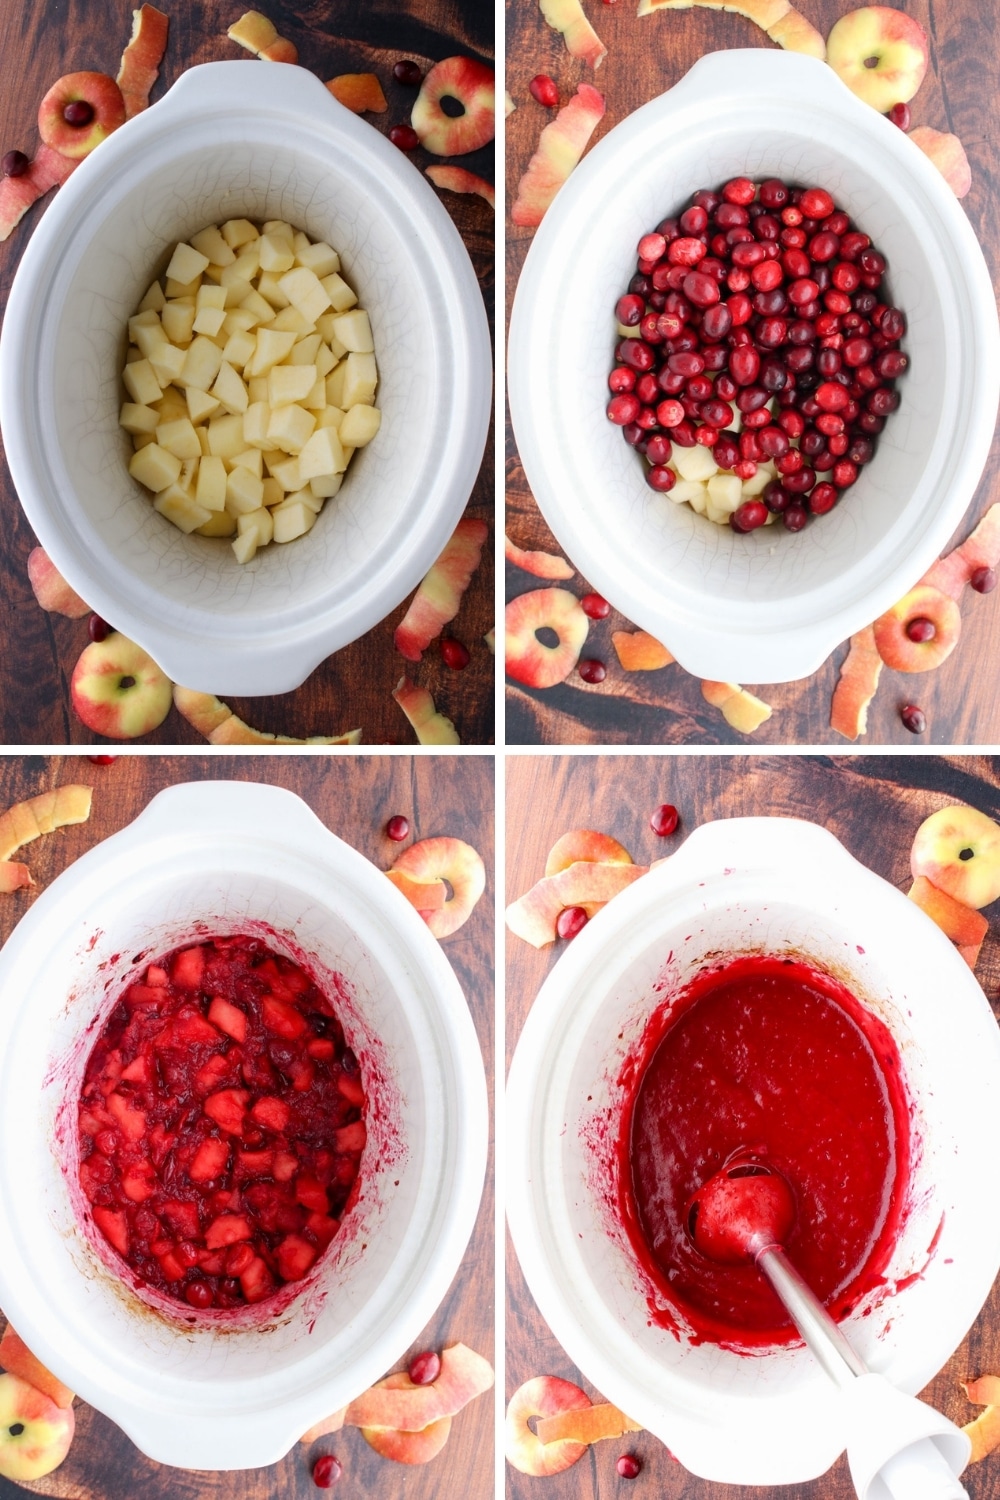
[534,915]
[439,595]
[637,651]
[539,564]
[424,896]
[142,57]
[47,583]
[28,820]
[17,194]
[259,35]
[429,726]
[948,155]
[963,925]
[740,709]
[220,726]
[544,1396]
[859,675]
[441,859]
[582,41]
[361,93]
[778,18]
[984,1431]
[17,1359]
[586,1424]
[585,845]
[458,180]
[981,549]
[560,147]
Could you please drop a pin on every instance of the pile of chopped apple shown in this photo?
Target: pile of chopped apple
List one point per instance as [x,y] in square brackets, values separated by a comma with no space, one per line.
[251,381]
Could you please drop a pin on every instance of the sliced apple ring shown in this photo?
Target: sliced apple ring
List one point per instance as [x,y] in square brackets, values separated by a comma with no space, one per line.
[49,586]
[361,93]
[528,659]
[958,850]
[429,726]
[473,85]
[454,861]
[856,685]
[439,595]
[543,1396]
[540,564]
[141,59]
[534,915]
[582,41]
[895,646]
[637,651]
[560,147]
[458,180]
[99,95]
[585,845]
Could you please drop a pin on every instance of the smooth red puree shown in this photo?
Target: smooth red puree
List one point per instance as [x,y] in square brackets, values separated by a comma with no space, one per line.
[221,1124]
[769,1057]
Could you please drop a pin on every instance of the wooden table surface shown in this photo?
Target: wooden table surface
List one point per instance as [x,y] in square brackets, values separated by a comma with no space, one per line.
[645,57]
[874,805]
[354,796]
[41,40]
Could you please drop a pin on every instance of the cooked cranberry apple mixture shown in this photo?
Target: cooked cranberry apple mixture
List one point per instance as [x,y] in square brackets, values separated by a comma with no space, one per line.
[221,1124]
[758,358]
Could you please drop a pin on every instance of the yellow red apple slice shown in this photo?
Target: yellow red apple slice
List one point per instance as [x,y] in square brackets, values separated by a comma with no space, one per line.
[560,147]
[17,1359]
[585,845]
[534,915]
[896,41]
[257,34]
[544,1396]
[782,22]
[896,648]
[958,850]
[429,726]
[13,876]
[105,99]
[948,155]
[589,1424]
[473,84]
[35,1433]
[580,37]
[457,863]
[856,685]
[405,1407]
[220,726]
[984,1431]
[28,820]
[141,59]
[637,651]
[48,170]
[47,583]
[458,180]
[540,564]
[981,549]
[425,896]
[408,1447]
[529,660]
[358,92]
[439,595]
[740,709]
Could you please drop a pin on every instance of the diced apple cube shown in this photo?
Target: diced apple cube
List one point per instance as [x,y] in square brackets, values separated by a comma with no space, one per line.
[210,297]
[225,436]
[360,380]
[203,439]
[244,492]
[685,488]
[177,505]
[140,439]
[290,320]
[255,420]
[245,546]
[178,320]
[210,491]
[322,454]
[290,428]
[220,524]
[186,263]
[258,521]
[167,362]
[300,241]
[309,499]
[245,267]
[200,404]
[276,254]
[325,360]
[305,349]
[354,331]
[340,294]
[316,399]
[305,291]
[250,458]
[271,349]
[179,438]
[335,385]
[202,363]
[141,383]
[326,485]
[171,405]
[759,481]
[209,320]
[148,337]
[238,232]
[292,518]
[257,388]
[287,475]
[280,227]
[361,424]
[187,290]
[693,463]
[288,383]
[189,474]
[238,320]
[330,416]
[268,288]
[238,350]
[210,242]
[237,293]
[273,493]
[154,299]
[135,418]
[259,307]
[230,390]
[725,492]
[154,467]
[320,259]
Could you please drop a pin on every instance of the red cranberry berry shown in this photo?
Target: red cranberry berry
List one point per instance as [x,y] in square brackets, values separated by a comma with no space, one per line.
[407,72]
[913,718]
[795,517]
[592,670]
[664,820]
[748,516]
[983,580]
[98,629]
[629,1466]
[199,1294]
[326,1471]
[594,606]
[544,90]
[406,138]
[398,829]
[570,921]
[102,760]
[899,115]
[424,1368]
[454,654]
[14,164]
[921,629]
[78,112]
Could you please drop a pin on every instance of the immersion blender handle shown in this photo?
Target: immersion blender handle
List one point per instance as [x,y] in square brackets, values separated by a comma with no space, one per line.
[840,1361]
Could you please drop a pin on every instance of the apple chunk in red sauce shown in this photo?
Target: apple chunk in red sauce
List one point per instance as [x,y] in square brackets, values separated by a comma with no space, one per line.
[221,1124]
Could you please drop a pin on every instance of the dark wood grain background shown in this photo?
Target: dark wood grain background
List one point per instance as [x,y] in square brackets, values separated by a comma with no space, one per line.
[874,805]
[645,57]
[39,41]
[354,796]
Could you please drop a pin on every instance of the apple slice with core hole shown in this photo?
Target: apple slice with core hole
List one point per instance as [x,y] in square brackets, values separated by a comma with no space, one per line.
[119,691]
[590,1424]
[425,896]
[48,170]
[96,96]
[17,1359]
[958,850]
[257,34]
[35,1433]
[430,726]
[457,863]
[782,22]
[859,675]
[464,1375]
[220,726]
[740,709]
[439,595]
[48,585]
[473,85]
[531,661]
[948,155]
[580,37]
[141,59]
[544,1396]
[540,564]
[984,1431]
[560,147]
[458,180]
[895,646]
[585,846]
[896,41]
[534,915]
[964,926]
[638,651]
[358,92]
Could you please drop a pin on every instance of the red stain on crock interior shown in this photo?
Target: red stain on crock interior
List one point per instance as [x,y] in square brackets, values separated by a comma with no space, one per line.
[767,1055]
[384,1151]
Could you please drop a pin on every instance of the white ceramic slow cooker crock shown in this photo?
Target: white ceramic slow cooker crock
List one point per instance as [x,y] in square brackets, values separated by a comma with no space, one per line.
[748,885]
[771,606]
[235,1392]
[233,140]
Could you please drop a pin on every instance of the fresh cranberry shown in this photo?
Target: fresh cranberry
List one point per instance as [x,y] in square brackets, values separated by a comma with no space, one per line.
[629,1466]
[98,629]
[621,380]
[408,72]
[594,606]
[664,820]
[199,1294]
[652,247]
[748,516]
[105,760]
[326,1471]
[899,115]
[78,113]
[570,921]
[822,499]
[397,828]
[795,518]
[623,409]
[544,90]
[424,1368]
[454,654]
[14,164]
[661,478]
[913,718]
[405,137]
[773,193]
[816,203]
[670,413]
[629,310]
[983,580]
[592,670]
[921,629]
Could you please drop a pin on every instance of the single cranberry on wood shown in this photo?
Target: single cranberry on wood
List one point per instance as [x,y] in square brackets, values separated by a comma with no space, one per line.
[571,921]
[664,820]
